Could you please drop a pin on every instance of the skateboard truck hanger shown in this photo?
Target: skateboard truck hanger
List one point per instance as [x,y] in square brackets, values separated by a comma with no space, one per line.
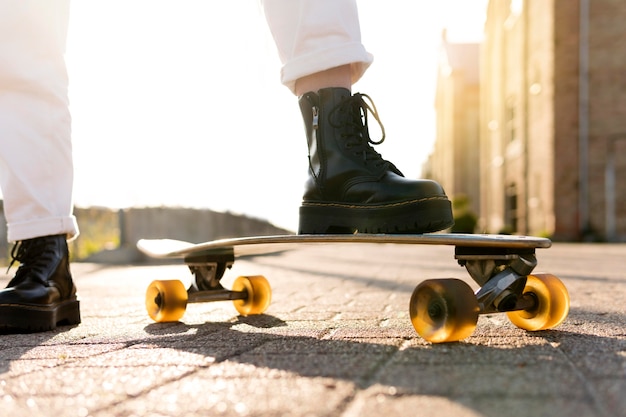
[207,271]
[501,275]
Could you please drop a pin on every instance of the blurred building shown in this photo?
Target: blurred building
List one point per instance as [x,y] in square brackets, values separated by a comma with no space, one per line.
[552,120]
[455,158]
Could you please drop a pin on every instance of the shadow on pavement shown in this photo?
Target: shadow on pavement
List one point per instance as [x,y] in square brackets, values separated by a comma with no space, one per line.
[488,379]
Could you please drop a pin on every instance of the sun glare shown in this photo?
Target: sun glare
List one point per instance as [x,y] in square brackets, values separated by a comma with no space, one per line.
[179,103]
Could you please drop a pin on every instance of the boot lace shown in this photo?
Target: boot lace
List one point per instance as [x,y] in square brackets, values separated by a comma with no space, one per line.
[34,256]
[352,116]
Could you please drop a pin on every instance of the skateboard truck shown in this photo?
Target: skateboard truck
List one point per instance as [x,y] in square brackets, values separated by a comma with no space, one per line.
[167,300]
[207,271]
[501,273]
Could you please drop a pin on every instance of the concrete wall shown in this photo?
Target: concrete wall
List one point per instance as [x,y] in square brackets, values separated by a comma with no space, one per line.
[188,224]
[110,235]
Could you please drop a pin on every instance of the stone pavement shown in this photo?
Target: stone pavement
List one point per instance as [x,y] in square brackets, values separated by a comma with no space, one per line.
[336,341]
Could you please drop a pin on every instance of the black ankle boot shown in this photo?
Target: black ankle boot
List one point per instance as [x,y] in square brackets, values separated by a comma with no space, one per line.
[42,294]
[351,188]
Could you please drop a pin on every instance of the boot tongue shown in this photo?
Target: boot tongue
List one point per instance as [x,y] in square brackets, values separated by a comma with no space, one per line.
[34,256]
[391,167]
[351,116]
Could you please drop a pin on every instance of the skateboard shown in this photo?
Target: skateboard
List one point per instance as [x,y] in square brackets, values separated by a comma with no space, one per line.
[441,310]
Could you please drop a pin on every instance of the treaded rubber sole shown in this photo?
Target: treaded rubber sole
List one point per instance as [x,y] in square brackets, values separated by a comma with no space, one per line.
[411,217]
[24,318]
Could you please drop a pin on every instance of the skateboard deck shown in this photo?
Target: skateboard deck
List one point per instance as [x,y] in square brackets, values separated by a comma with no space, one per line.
[259,245]
[441,310]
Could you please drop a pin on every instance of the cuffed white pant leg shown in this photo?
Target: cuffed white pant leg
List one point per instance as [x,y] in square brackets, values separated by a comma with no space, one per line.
[36,171]
[313,36]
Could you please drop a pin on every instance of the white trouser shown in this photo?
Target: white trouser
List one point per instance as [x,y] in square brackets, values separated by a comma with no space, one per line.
[313,36]
[36,171]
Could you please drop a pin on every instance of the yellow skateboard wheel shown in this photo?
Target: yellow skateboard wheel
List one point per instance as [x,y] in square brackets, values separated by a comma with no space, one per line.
[166,301]
[259,295]
[551,304]
[444,310]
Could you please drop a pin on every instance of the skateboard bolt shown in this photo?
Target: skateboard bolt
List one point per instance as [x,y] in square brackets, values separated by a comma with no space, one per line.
[508,303]
[435,310]
[158,300]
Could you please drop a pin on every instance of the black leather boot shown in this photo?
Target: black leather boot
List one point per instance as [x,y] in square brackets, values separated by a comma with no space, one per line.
[42,294]
[351,188]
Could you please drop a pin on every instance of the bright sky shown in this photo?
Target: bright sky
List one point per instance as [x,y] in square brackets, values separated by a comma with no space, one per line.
[178,103]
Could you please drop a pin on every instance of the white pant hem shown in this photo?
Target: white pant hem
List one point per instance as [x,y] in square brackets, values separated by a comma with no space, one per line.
[352,53]
[43,227]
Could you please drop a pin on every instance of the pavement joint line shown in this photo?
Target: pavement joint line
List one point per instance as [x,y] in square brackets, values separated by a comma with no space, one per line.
[591,392]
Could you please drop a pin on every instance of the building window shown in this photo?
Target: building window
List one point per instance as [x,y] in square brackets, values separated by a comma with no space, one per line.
[510,121]
[511,209]
[516,8]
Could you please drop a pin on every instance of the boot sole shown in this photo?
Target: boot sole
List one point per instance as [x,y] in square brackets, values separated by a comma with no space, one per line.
[18,318]
[413,217]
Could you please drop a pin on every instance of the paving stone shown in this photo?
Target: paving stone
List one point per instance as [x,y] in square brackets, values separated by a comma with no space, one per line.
[336,341]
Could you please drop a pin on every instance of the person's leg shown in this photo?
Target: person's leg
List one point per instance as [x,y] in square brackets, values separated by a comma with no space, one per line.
[340,77]
[351,188]
[36,172]
[315,36]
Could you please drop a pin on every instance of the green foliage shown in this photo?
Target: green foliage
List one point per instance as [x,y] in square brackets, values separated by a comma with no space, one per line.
[464,218]
[99,230]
